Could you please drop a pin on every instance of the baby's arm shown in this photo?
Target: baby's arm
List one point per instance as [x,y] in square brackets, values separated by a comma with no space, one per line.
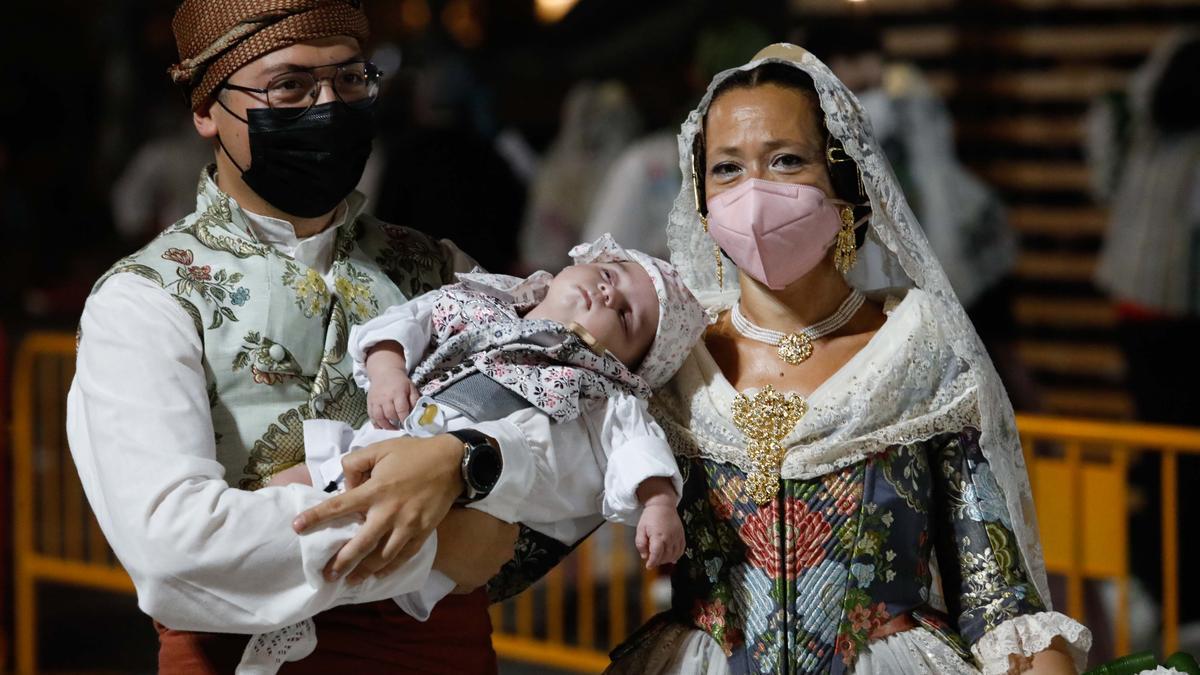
[642,482]
[296,474]
[383,349]
[392,394]
[660,537]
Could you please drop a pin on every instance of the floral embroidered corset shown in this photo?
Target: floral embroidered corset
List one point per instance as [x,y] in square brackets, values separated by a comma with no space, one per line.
[799,584]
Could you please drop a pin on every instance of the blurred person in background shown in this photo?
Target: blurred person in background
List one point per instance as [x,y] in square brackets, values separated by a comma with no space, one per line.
[441,171]
[143,142]
[158,185]
[598,122]
[636,194]
[963,218]
[200,356]
[1144,150]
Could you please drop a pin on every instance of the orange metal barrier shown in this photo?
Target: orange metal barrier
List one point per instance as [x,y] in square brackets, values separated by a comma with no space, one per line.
[56,537]
[1077,469]
[6,507]
[599,594]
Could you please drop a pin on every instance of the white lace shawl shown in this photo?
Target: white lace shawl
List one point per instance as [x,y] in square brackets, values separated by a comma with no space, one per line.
[896,254]
[904,386]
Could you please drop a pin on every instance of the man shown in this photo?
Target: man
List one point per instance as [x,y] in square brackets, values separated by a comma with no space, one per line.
[201,355]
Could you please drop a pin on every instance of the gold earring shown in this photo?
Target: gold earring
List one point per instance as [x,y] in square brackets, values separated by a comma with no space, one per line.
[704,223]
[846,253]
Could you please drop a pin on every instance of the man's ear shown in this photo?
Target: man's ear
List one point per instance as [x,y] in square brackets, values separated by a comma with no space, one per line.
[206,126]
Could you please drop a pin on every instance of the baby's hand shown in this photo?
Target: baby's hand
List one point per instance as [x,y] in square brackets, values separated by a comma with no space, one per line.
[293,474]
[660,537]
[390,399]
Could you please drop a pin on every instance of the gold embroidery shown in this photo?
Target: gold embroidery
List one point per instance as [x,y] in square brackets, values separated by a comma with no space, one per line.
[766,420]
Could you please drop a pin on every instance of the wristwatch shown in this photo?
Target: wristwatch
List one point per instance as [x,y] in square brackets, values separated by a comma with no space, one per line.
[481,463]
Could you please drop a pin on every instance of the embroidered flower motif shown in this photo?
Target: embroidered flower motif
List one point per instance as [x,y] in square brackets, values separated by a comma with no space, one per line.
[860,618]
[992,504]
[863,573]
[240,296]
[200,273]
[709,616]
[312,295]
[847,648]
[262,377]
[758,531]
[712,567]
[179,255]
[721,504]
[355,293]
[807,531]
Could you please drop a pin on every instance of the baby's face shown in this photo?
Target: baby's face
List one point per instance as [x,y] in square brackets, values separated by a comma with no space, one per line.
[615,302]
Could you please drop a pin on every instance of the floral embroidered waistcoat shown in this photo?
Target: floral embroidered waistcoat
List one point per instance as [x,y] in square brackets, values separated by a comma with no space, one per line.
[274,332]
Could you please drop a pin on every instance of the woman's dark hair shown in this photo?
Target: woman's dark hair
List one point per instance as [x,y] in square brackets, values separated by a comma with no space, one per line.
[843,171]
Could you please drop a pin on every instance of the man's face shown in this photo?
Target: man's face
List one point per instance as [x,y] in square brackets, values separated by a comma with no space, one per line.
[217,120]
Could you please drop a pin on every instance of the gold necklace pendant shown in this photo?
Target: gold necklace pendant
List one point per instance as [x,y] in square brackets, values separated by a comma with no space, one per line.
[795,348]
[766,420]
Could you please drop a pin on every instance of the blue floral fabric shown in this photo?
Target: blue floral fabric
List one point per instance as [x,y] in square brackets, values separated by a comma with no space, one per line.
[799,585]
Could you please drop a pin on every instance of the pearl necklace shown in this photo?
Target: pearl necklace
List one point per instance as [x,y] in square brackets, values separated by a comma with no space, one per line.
[796,347]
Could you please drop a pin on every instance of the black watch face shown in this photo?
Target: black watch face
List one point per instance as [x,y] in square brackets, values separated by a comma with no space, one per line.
[483,468]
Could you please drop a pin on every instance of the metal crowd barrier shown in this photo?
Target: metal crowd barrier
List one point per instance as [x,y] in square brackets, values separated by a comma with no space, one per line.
[599,594]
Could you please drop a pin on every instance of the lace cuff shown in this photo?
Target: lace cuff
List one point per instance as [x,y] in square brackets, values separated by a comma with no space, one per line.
[1027,635]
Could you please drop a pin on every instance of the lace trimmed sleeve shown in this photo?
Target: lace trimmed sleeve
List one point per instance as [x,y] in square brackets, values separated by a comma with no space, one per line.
[1027,635]
[988,590]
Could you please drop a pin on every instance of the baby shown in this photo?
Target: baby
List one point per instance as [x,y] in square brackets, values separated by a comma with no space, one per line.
[569,359]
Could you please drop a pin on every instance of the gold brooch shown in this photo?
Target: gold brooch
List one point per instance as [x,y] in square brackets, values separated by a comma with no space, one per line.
[795,348]
[766,420]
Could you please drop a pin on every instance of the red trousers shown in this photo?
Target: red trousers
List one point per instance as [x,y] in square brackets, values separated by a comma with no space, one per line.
[371,638]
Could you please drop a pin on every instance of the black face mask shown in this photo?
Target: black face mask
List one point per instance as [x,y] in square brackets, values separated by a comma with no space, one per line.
[305,166]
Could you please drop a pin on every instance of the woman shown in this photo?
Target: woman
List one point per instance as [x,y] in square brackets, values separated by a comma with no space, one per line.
[862,461]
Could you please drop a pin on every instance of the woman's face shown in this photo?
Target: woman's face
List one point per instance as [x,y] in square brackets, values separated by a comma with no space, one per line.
[767,132]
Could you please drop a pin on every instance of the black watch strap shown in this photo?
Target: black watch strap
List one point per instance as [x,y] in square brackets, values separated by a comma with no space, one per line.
[482,463]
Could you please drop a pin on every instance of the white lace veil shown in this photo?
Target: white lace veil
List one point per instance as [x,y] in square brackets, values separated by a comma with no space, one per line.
[896,254]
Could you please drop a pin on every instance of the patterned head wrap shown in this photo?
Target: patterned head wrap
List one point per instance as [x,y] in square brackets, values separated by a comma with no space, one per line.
[217,37]
[681,319]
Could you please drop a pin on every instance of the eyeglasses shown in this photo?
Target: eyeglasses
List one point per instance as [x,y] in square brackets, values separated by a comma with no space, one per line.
[356,83]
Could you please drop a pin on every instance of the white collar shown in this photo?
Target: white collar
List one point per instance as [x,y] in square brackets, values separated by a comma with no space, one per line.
[281,233]
[316,250]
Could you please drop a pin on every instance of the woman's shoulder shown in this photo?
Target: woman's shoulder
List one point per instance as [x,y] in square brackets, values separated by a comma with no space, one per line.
[920,331]
[914,312]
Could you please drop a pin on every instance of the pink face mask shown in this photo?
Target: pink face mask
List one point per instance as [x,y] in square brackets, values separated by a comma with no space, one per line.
[774,232]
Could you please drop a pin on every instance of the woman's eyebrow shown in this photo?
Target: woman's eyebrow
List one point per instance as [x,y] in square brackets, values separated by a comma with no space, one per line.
[783,142]
[730,150]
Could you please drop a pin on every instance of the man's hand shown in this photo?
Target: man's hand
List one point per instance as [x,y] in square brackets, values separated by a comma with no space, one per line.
[404,486]
[392,394]
[472,547]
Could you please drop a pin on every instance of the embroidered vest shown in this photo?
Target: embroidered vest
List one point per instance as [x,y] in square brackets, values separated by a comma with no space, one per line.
[274,332]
